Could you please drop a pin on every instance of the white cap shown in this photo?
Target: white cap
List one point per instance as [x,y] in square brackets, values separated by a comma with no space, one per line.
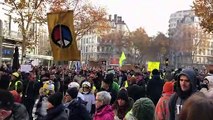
[86,83]
[73,84]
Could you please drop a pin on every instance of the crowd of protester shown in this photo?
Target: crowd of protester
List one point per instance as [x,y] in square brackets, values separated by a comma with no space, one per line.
[60,93]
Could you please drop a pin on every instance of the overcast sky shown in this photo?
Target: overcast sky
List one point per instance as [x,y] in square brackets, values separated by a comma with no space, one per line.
[152,15]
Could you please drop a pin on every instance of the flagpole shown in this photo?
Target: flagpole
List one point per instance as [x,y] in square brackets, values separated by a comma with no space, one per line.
[61,45]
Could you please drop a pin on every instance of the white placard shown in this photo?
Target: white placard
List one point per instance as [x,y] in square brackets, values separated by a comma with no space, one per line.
[26,68]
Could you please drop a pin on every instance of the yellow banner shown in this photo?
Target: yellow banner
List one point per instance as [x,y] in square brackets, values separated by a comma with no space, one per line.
[62,36]
[153,65]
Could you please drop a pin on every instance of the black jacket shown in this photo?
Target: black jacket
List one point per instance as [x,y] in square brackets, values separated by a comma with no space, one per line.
[77,111]
[154,88]
[177,99]
[57,113]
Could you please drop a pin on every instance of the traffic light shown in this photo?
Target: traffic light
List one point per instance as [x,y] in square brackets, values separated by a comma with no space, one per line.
[167,62]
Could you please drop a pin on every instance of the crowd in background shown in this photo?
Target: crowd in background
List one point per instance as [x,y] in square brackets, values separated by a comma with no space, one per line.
[60,93]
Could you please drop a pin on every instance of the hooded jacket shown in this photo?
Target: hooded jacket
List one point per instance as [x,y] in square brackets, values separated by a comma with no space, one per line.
[77,110]
[177,99]
[106,113]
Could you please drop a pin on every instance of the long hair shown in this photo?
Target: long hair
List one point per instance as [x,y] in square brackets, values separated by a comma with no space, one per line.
[197,107]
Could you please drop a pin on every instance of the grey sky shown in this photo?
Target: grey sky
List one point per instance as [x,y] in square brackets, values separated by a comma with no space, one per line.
[152,15]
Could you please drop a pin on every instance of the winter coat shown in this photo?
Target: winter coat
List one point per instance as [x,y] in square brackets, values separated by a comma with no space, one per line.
[19,112]
[162,108]
[130,116]
[154,88]
[106,113]
[77,110]
[40,108]
[89,98]
[208,92]
[177,99]
[57,113]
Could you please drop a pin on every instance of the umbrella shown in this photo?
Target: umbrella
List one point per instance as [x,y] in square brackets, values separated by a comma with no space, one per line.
[16,64]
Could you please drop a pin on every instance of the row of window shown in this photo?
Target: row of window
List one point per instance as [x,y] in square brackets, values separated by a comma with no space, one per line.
[205,52]
[96,49]
[89,40]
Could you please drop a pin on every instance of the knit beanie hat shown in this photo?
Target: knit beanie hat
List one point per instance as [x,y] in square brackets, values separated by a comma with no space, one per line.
[122,94]
[168,87]
[6,100]
[55,99]
[143,109]
[109,79]
[73,92]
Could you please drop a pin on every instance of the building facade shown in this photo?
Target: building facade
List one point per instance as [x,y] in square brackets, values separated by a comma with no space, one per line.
[11,36]
[176,18]
[94,47]
[195,45]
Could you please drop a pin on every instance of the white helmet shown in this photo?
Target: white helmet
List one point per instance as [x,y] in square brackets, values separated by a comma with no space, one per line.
[73,84]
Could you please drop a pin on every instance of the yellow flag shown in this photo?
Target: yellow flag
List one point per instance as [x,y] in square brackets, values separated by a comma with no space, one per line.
[122,58]
[62,36]
[153,65]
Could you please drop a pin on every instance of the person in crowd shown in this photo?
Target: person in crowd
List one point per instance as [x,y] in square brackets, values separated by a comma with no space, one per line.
[30,91]
[76,109]
[106,85]
[6,104]
[4,80]
[155,86]
[89,97]
[40,106]
[185,87]
[122,104]
[19,111]
[143,109]
[197,107]
[135,91]
[97,81]
[76,85]
[67,79]
[122,78]
[104,110]
[16,83]
[208,81]
[162,109]
[55,108]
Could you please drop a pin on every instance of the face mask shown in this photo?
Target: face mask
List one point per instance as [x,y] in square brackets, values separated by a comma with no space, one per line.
[85,92]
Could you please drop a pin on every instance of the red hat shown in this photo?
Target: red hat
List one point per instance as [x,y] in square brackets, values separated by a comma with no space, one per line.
[17,97]
[168,87]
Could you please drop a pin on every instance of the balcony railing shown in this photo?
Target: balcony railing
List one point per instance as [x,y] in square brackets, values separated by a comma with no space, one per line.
[14,35]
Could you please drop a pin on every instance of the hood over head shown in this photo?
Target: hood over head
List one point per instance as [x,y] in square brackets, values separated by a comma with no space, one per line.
[191,75]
